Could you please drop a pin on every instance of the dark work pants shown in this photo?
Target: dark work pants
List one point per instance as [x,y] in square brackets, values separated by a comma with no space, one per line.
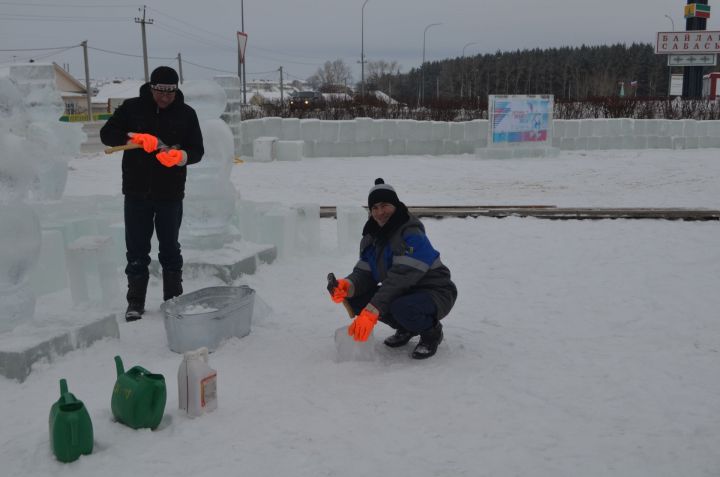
[142,216]
[415,312]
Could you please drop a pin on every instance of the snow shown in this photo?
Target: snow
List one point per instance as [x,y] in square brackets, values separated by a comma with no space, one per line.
[576,348]
[120,89]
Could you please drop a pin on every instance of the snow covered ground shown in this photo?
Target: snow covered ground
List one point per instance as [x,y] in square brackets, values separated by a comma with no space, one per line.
[576,348]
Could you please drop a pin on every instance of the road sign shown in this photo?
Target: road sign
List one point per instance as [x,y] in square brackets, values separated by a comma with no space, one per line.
[676,85]
[692,60]
[242,42]
[685,42]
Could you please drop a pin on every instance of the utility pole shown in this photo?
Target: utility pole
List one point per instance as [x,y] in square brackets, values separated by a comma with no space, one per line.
[362,50]
[179,58]
[142,21]
[281,87]
[244,66]
[462,69]
[693,75]
[88,91]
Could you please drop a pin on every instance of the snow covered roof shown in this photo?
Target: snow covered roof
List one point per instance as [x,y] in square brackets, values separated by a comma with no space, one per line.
[118,89]
[384,97]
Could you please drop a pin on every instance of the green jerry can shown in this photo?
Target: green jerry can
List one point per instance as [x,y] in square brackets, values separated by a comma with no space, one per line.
[71,430]
[138,398]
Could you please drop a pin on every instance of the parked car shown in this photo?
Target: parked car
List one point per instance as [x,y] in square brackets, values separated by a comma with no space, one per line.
[306,100]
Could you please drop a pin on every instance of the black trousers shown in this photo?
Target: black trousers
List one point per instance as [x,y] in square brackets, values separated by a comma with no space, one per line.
[142,216]
[414,312]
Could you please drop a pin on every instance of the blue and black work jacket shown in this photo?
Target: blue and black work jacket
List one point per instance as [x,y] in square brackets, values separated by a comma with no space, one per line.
[403,263]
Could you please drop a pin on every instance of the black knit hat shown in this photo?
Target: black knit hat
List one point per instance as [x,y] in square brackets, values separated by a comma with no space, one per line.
[382,192]
[165,76]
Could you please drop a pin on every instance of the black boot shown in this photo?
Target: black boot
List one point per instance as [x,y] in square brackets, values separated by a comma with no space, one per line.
[137,289]
[429,341]
[172,284]
[400,338]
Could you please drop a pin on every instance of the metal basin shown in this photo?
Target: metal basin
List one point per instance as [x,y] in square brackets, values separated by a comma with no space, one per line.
[208,316]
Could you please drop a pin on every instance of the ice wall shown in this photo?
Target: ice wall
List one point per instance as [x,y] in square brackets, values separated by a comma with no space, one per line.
[369,137]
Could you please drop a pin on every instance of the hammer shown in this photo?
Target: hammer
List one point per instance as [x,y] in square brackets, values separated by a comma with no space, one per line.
[332,284]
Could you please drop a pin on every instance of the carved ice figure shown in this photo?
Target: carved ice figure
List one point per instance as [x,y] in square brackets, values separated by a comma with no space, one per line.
[52,143]
[210,195]
[20,234]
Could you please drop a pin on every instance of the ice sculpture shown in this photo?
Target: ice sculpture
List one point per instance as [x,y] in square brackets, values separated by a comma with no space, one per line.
[20,234]
[209,194]
[51,143]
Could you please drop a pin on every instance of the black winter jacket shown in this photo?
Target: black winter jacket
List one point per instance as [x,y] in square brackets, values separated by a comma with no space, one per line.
[143,175]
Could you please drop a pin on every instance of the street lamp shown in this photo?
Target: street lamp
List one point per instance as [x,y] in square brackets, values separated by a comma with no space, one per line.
[462,75]
[468,44]
[672,24]
[422,86]
[362,49]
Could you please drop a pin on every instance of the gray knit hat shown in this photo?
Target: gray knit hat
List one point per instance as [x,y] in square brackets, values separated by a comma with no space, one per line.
[382,192]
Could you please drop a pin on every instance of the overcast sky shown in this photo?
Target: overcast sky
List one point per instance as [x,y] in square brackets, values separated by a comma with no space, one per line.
[301,35]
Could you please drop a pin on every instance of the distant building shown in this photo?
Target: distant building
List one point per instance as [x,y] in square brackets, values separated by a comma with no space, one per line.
[262,90]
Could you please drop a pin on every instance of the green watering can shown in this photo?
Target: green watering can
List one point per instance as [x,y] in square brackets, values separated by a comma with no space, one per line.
[71,431]
[138,398]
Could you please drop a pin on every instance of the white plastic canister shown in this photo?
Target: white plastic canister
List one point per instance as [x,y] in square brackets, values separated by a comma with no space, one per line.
[197,383]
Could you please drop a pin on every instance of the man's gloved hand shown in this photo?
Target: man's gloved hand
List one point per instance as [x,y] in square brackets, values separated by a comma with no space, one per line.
[148,142]
[172,157]
[340,292]
[363,324]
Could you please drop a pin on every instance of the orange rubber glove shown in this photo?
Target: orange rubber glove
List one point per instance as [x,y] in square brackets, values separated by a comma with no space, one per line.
[363,324]
[172,157]
[148,142]
[340,292]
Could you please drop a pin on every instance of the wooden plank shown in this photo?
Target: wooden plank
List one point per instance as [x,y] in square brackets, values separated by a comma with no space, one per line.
[554,213]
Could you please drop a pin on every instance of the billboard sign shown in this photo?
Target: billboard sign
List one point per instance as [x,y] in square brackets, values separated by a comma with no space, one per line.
[698,41]
[520,120]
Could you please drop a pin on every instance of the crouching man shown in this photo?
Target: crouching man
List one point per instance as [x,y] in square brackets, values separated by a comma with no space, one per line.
[399,278]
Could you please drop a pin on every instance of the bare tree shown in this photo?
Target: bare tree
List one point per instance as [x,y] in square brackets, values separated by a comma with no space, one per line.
[381,68]
[331,76]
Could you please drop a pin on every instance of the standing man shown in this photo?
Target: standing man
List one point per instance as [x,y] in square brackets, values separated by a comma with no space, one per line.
[399,279]
[167,133]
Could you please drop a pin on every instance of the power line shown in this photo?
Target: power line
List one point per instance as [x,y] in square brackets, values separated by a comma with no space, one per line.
[43,49]
[131,55]
[209,67]
[42,57]
[85,5]
[293,76]
[196,38]
[58,18]
[187,23]
[263,72]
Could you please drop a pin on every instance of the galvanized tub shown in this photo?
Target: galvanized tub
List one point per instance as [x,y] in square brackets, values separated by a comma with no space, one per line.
[207,316]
